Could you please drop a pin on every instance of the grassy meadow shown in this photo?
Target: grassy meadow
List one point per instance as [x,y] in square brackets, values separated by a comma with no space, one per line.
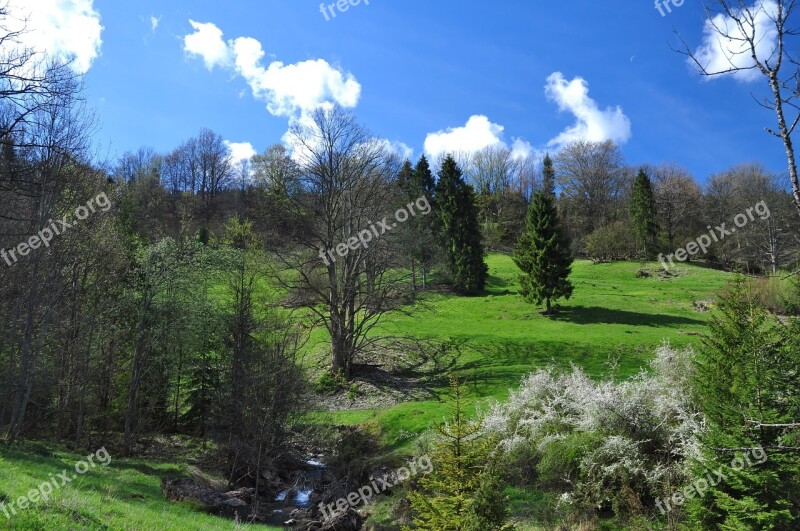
[610,327]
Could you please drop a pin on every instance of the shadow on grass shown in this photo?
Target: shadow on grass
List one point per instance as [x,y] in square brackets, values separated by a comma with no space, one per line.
[420,368]
[500,365]
[496,282]
[598,315]
[147,470]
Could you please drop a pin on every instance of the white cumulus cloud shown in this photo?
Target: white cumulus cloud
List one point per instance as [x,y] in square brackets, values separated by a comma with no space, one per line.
[67,29]
[207,42]
[154,22]
[592,123]
[290,90]
[293,88]
[293,91]
[241,151]
[478,133]
[718,54]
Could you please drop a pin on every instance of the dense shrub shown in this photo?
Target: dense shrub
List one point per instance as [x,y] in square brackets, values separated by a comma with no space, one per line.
[602,446]
[610,243]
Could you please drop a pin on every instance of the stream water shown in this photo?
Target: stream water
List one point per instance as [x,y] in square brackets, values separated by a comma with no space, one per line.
[296,497]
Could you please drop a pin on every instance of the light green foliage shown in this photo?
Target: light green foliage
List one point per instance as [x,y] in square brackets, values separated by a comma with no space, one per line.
[461,493]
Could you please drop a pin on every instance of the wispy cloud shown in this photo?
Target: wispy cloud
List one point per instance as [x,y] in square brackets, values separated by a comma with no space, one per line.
[592,123]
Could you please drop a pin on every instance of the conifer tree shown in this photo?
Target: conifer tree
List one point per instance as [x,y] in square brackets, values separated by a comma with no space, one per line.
[458,495]
[460,232]
[746,387]
[543,254]
[549,176]
[643,213]
[405,176]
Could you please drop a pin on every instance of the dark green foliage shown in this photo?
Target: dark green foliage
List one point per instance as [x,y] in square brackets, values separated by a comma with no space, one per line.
[643,214]
[405,176]
[422,182]
[746,383]
[543,254]
[459,229]
[549,176]
[421,242]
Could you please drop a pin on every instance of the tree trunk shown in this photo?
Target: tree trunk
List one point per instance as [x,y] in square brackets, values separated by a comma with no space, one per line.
[785,135]
[136,376]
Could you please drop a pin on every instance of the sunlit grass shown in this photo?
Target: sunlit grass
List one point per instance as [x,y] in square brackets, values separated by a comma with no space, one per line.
[125,495]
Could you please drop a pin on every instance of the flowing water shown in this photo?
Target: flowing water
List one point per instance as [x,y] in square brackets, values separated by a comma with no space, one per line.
[297,497]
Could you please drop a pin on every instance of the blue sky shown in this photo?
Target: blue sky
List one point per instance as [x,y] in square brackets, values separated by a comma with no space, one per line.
[416,68]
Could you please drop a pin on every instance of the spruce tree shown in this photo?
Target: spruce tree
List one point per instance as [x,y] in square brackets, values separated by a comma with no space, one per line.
[417,182]
[549,176]
[405,176]
[746,387]
[643,213]
[459,230]
[461,493]
[543,254]
[422,181]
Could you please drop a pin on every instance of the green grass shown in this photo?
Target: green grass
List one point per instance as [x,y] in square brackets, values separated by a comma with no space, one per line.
[125,495]
[610,327]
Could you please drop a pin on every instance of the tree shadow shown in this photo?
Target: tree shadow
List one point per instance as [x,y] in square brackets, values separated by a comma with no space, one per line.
[415,369]
[599,315]
[496,282]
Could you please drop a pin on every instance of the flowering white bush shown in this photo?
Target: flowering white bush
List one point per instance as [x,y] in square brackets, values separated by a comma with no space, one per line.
[602,445]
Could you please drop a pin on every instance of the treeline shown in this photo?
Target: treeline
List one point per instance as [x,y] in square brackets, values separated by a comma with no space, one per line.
[199,185]
[596,197]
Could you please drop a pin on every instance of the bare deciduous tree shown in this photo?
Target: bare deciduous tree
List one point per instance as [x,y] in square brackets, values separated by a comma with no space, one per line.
[592,179]
[346,187]
[678,200]
[742,33]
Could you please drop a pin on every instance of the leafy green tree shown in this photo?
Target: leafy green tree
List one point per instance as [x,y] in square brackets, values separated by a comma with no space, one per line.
[643,213]
[746,386]
[459,228]
[543,254]
[461,493]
